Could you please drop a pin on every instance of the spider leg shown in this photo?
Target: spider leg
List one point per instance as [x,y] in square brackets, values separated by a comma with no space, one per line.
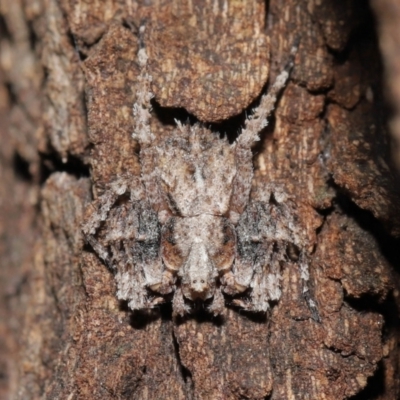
[218,303]
[258,119]
[142,133]
[269,234]
[98,212]
[180,308]
[254,124]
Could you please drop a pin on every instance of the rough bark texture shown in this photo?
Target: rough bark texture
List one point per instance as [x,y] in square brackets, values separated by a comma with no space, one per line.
[67,84]
[388,16]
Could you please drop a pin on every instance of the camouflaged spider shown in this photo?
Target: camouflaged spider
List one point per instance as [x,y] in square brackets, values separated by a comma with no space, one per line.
[187,226]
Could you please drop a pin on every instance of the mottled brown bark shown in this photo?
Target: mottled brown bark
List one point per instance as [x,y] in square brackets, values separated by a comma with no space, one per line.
[387,17]
[68,75]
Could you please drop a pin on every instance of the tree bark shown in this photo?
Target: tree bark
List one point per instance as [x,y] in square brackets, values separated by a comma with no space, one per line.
[67,84]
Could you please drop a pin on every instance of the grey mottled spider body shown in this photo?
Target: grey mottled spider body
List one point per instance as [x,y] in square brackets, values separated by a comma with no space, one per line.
[187,227]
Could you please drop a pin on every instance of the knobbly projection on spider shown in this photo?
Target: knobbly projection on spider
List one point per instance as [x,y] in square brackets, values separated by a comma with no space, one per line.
[186,229]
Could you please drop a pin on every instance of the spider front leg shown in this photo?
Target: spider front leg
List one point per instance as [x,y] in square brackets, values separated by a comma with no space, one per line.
[254,124]
[142,133]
